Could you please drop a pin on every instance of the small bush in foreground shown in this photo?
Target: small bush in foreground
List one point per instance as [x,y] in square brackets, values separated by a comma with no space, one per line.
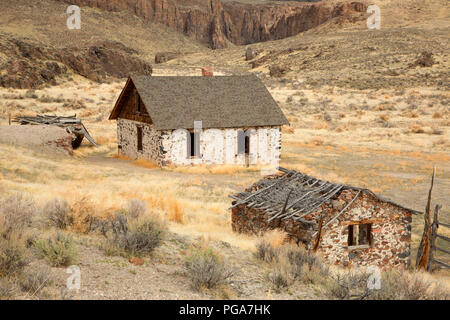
[266,252]
[12,258]
[136,237]
[57,214]
[58,250]
[16,214]
[206,269]
[35,279]
[278,279]
[136,208]
[394,285]
[269,246]
[7,288]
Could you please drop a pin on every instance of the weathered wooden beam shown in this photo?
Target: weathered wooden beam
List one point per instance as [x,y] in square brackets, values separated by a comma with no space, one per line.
[424,247]
[442,250]
[443,237]
[444,224]
[442,263]
[433,235]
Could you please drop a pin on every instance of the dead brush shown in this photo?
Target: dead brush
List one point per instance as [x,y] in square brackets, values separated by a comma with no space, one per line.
[13,257]
[131,238]
[349,285]
[16,214]
[402,285]
[136,208]
[266,252]
[84,214]
[206,268]
[56,212]
[268,247]
[278,279]
[35,279]
[8,288]
[304,265]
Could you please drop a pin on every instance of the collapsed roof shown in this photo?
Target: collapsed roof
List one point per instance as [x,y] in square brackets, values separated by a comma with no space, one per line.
[294,195]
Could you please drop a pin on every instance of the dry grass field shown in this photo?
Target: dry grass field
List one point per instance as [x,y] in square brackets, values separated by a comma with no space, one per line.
[360,114]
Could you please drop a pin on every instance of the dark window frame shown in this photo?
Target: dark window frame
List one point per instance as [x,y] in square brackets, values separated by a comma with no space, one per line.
[359,235]
[140,135]
[247,145]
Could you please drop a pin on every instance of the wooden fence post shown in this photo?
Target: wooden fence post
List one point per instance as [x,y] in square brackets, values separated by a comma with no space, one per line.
[424,247]
[433,238]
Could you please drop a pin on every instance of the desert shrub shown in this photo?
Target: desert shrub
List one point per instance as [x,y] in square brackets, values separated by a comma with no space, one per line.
[398,285]
[301,261]
[266,252]
[205,268]
[278,279]
[12,258]
[56,212]
[58,250]
[306,266]
[135,237]
[394,285]
[83,213]
[16,214]
[348,285]
[35,279]
[7,288]
[30,94]
[268,247]
[136,208]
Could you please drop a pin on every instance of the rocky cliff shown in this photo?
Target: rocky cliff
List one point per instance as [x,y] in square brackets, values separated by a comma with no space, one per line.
[216,23]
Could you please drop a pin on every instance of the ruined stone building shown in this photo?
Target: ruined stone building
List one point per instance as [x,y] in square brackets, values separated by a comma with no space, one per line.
[357,226]
[195,120]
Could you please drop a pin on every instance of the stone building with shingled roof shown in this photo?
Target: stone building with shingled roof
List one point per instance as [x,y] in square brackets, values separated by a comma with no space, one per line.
[195,120]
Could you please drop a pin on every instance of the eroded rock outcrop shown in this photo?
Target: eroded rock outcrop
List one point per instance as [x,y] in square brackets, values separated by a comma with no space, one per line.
[215,23]
[31,64]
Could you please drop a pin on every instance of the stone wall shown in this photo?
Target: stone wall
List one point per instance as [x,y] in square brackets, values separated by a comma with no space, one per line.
[155,144]
[390,230]
[220,146]
[391,234]
[217,146]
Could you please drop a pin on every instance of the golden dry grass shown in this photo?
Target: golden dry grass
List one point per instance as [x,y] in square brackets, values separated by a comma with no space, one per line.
[215,169]
[144,163]
[174,210]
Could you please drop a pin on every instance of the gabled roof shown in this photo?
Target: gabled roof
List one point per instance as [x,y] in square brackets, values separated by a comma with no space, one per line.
[304,195]
[219,102]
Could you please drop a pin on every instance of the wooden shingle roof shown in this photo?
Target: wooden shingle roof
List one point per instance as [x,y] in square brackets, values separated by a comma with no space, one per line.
[219,102]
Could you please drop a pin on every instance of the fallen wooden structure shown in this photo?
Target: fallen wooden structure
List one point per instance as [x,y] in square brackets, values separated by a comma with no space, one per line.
[348,225]
[72,125]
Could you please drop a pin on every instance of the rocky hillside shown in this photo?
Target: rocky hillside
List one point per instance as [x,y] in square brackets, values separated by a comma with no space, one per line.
[215,22]
[30,64]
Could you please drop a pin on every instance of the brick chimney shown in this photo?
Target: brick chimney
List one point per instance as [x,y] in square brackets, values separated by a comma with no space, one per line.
[207,72]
